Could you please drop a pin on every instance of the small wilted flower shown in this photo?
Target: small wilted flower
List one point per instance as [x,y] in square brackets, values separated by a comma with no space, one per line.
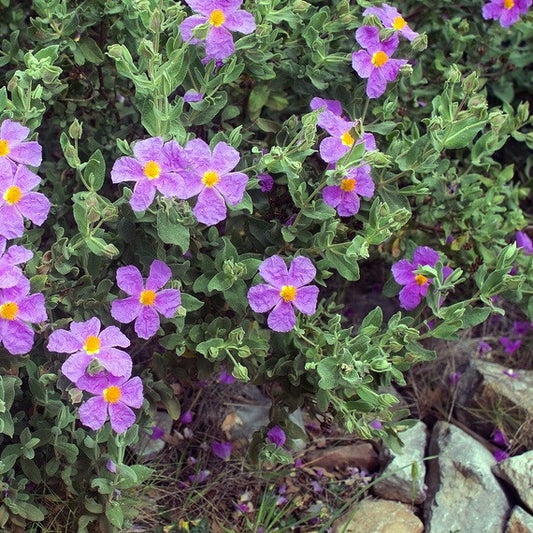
[484,347]
[157,433]
[523,241]
[226,378]
[454,378]
[376,424]
[187,417]
[222,450]
[266,182]
[193,96]
[522,327]
[500,455]
[276,436]
[111,466]
[510,373]
[201,477]
[510,345]
[500,438]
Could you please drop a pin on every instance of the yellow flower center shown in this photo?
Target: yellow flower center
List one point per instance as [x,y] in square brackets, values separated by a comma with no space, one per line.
[12,195]
[347,139]
[508,4]
[379,59]
[112,394]
[9,310]
[211,178]
[217,18]
[147,297]
[420,279]
[398,23]
[4,148]
[288,293]
[152,170]
[348,184]
[92,345]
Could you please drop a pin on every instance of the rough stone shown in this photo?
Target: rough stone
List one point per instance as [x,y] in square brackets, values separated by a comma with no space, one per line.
[485,385]
[339,458]
[518,472]
[401,480]
[379,516]
[463,494]
[519,522]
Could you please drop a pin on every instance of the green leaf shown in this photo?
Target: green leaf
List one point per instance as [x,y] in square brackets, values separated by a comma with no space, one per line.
[94,172]
[190,303]
[91,50]
[345,265]
[171,231]
[114,514]
[461,133]
[29,511]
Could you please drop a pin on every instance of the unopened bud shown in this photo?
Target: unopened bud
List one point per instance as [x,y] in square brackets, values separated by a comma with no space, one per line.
[75,130]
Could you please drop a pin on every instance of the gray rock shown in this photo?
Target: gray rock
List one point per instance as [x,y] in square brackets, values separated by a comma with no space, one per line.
[463,494]
[403,477]
[379,516]
[518,471]
[484,385]
[519,522]
[146,447]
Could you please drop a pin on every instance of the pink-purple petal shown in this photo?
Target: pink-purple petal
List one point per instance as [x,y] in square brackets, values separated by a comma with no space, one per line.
[376,85]
[274,271]
[282,317]
[32,308]
[74,366]
[132,392]
[263,297]
[126,310]
[27,153]
[210,207]
[112,336]
[232,187]
[129,279]
[332,195]
[424,255]
[12,222]
[147,323]
[301,272]
[403,272]
[16,336]
[368,37]
[17,254]
[306,299]
[410,296]
[332,149]
[148,150]
[349,204]
[13,132]
[93,413]
[225,158]
[34,206]
[167,302]
[159,274]
[127,169]
[143,195]
[219,43]
[117,362]
[121,417]
[240,21]
[82,330]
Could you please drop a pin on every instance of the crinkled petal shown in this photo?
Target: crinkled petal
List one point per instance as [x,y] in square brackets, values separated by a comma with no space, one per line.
[334,106]
[403,272]
[263,297]
[16,292]
[301,272]
[63,341]
[9,276]
[370,141]
[167,302]
[96,384]
[11,222]
[34,206]
[198,155]
[201,6]
[74,367]
[170,184]
[160,273]
[32,308]
[82,330]
[147,323]
[132,392]
[446,272]
[274,271]
[127,169]
[126,310]
[410,296]
[129,279]
[117,362]
[232,187]
[365,185]
[368,37]
[148,150]
[13,132]
[349,204]
[507,18]
[389,45]
[424,255]
[332,195]
[376,84]
[240,21]
[93,413]
[112,336]
[492,10]
[16,255]
[225,158]
[16,336]
[27,153]
[143,195]
[282,317]
[219,43]
[187,27]
[391,69]
[121,417]
[306,299]
[210,207]
[175,156]
[25,179]
[333,124]
[332,149]
[191,185]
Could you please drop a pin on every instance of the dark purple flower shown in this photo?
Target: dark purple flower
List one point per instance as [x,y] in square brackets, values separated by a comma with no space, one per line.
[484,347]
[276,436]
[510,345]
[266,181]
[193,96]
[500,438]
[376,424]
[226,378]
[222,450]
[522,327]
[157,433]
[200,477]
[500,455]
[187,417]
[317,487]
[523,241]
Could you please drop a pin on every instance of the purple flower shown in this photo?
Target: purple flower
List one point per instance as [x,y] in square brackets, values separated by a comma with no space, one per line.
[376,424]
[193,96]
[520,327]
[375,62]
[157,433]
[111,466]
[18,201]
[156,166]
[210,177]
[500,438]
[10,274]
[484,347]
[276,436]
[145,301]
[114,397]
[187,417]
[18,309]
[500,455]
[345,196]
[266,182]
[416,285]
[283,290]
[523,241]
[222,17]
[334,106]
[510,345]
[341,141]
[226,378]
[317,487]
[390,18]
[14,148]
[506,11]
[369,140]
[87,343]
[200,477]
[222,450]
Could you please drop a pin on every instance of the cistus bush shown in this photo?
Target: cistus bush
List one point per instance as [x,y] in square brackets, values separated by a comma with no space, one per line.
[192,187]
